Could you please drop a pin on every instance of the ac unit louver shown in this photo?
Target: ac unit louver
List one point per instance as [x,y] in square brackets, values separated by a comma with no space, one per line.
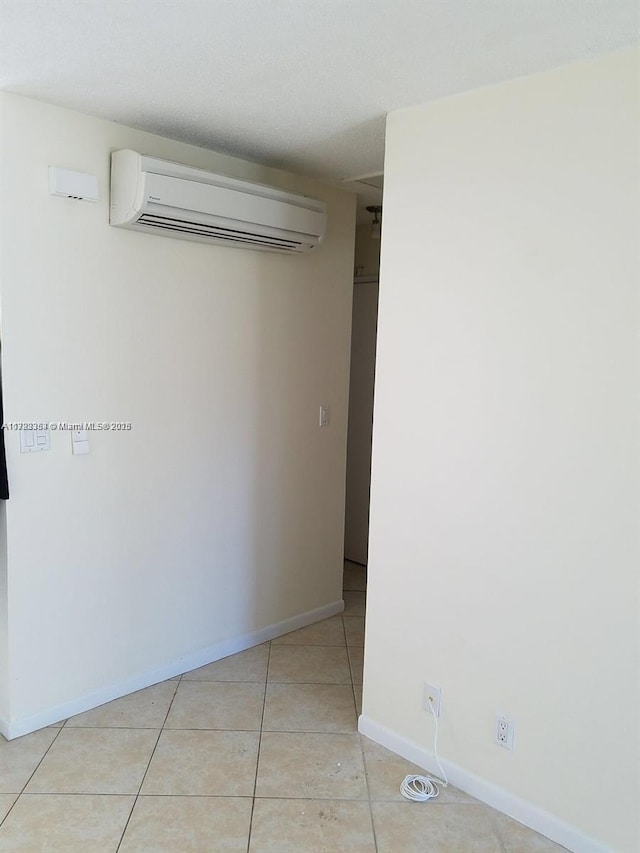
[160,197]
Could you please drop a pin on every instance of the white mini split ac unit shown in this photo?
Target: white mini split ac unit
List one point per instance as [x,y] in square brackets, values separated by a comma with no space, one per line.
[160,197]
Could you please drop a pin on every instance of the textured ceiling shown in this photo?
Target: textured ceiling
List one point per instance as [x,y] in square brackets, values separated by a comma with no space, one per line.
[299,84]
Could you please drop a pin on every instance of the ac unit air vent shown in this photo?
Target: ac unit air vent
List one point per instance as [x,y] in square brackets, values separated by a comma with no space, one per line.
[184,226]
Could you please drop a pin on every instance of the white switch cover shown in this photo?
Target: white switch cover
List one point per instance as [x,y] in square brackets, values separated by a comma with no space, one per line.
[79,441]
[34,440]
[324,416]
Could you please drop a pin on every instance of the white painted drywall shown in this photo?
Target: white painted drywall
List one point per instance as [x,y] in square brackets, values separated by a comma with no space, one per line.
[222,511]
[504,544]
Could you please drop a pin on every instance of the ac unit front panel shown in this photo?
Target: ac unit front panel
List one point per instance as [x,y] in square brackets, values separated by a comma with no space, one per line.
[151,165]
[230,204]
[178,201]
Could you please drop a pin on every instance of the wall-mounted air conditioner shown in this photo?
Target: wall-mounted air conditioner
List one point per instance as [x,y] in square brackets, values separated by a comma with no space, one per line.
[160,197]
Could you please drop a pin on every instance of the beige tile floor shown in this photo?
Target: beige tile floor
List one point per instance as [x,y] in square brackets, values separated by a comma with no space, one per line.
[256,753]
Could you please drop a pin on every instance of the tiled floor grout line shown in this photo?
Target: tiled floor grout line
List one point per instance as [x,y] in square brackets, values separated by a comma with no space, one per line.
[496,829]
[13,805]
[312,645]
[344,633]
[212,729]
[144,775]
[366,777]
[255,781]
[351,670]
[31,776]
[364,763]
[353,686]
[320,683]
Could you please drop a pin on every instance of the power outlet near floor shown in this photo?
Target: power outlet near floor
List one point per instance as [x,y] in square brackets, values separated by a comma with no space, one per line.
[504,731]
[432,695]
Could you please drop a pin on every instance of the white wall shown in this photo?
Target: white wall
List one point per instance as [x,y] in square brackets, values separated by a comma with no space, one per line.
[221,513]
[504,546]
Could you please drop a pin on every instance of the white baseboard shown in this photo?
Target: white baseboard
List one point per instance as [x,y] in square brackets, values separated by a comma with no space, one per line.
[521,810]
[16,728]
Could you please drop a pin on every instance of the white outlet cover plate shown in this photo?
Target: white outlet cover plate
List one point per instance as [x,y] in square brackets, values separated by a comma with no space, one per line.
[505,725]
[436,693]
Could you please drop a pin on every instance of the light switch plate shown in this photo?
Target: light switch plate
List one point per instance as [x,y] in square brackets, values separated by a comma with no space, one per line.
[34,440]
[79,441]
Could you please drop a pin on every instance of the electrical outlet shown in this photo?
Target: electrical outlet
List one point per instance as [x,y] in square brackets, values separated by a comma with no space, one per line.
[432,693]
[504,731]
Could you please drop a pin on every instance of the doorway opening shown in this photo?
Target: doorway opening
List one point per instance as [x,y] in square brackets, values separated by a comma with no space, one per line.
[361,387]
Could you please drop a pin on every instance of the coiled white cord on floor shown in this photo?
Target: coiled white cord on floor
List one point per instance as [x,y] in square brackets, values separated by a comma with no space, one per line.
[423,788]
